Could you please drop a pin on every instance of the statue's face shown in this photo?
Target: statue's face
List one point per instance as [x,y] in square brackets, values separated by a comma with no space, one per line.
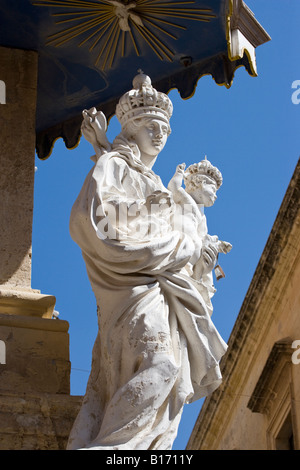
[152,136]
[206,194]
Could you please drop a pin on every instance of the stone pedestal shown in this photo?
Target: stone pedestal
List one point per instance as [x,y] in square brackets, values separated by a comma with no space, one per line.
[37,355]
[36,410]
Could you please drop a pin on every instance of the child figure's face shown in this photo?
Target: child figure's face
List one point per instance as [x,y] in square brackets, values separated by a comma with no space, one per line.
[206,193]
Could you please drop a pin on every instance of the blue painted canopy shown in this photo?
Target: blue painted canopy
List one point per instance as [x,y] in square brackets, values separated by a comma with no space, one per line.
[90,50]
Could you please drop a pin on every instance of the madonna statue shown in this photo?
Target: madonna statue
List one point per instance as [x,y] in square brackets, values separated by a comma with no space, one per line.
[157,347]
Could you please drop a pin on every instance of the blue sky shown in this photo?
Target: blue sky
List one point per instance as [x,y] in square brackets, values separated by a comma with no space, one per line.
[251,132]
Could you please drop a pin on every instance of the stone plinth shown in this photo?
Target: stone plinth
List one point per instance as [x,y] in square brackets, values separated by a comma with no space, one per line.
[37,355]
[36,409]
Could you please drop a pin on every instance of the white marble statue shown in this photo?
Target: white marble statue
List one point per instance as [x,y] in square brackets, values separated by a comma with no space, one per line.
[149,260]
[202,180]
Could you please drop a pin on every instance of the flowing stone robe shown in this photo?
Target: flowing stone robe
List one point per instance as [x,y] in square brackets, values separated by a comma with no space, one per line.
[157,347]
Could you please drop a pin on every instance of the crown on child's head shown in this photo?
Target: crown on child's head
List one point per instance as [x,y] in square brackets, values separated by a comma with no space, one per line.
[203,168]
[143,100]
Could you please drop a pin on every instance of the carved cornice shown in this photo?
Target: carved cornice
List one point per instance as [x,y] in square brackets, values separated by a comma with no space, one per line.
[244,33]
[243,18]
[26,302]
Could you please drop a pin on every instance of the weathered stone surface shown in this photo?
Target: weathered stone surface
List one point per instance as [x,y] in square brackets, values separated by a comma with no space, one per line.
[36,421]
[37,355]
[17,155]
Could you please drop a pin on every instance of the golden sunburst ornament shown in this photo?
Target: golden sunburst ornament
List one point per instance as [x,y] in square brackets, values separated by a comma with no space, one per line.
[107,25]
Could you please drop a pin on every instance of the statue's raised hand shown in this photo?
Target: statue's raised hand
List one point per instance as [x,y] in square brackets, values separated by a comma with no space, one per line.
[94,127]
[176,181]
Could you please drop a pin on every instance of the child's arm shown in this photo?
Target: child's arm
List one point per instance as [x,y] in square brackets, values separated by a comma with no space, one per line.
[180,196]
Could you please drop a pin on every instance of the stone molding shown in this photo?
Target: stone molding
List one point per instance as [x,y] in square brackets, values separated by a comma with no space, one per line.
[26,302]
[280,356]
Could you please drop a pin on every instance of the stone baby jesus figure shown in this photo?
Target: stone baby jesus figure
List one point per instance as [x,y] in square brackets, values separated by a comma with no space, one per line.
[156,348]
[202,180]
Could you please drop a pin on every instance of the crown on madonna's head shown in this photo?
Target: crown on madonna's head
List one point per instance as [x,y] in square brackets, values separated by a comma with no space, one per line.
[143,100]
[194,173]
